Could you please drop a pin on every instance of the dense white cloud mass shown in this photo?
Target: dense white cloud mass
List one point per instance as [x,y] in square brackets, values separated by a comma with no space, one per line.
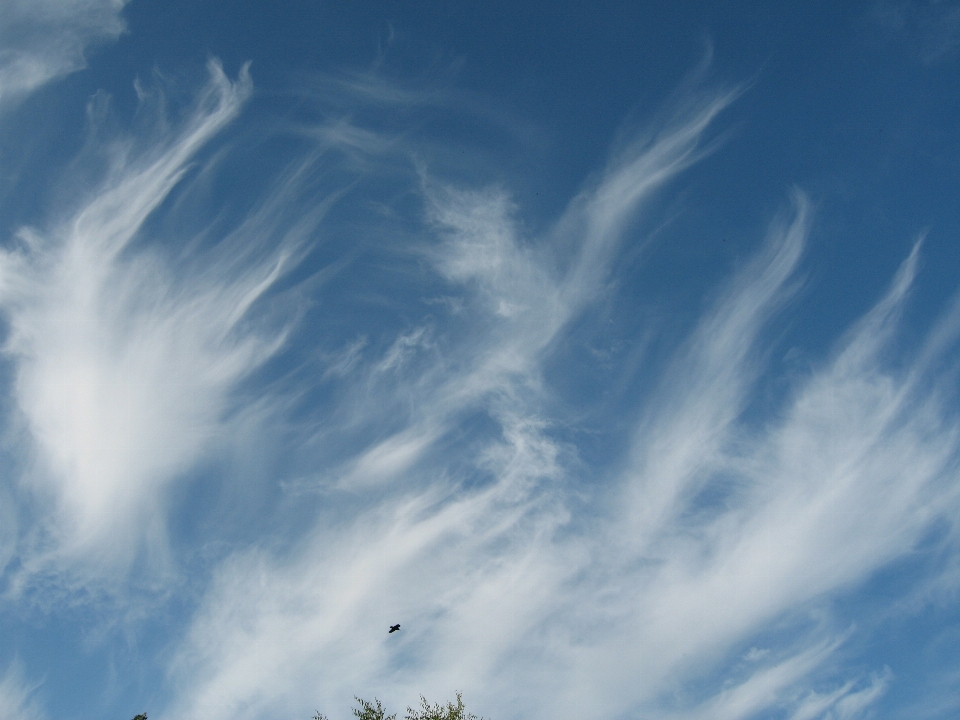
[124,362]
[405,445]
[43,39]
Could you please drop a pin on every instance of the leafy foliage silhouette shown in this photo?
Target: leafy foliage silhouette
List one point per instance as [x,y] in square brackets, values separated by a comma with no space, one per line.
[374,711]
[438,712]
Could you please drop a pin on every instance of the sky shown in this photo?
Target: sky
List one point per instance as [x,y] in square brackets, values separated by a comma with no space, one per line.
[609,348]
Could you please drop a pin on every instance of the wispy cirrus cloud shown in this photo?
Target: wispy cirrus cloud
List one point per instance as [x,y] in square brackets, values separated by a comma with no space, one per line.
[851,700]
[16,702]
[731,528]
[42,40]
[716,530]
[442,494]
[515,299]
[125,358]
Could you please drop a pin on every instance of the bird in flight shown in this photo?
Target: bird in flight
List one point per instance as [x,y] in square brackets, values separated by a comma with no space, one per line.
[394,628]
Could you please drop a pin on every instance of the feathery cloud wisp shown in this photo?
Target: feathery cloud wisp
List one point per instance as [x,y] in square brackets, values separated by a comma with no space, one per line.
[719,529]
[43,39]
[125,363]
[16,702]
[445,493]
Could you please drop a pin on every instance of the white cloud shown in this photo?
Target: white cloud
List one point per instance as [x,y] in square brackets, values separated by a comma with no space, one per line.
[715,531]
[16,702]
[845,702]
[470,573]
[764,688]
[312,628]
[125,362]
[712,531]
[728,530]
[44,39]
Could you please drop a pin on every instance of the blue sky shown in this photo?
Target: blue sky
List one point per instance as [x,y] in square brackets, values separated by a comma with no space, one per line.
[607,347]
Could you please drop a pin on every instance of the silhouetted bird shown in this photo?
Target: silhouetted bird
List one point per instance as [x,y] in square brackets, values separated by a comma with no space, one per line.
[394,628]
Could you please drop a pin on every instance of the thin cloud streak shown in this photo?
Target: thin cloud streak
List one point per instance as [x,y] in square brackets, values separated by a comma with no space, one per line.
[844,702]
